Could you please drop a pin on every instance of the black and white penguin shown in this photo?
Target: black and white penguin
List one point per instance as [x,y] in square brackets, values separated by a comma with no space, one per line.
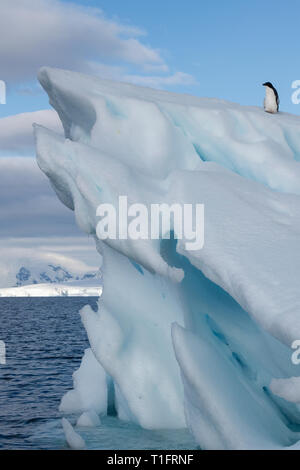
[271,102]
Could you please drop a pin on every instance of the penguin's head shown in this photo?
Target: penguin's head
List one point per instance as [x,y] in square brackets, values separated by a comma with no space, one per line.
[269,84]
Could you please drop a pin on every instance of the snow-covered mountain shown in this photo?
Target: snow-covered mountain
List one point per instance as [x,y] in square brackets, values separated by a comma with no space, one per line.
[51,274]
[26,266]
[188,338]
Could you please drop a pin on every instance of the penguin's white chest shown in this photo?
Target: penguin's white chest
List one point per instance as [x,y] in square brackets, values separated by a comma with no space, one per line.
[270,103]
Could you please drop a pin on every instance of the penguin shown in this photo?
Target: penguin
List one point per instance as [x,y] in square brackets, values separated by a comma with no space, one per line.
[271,102]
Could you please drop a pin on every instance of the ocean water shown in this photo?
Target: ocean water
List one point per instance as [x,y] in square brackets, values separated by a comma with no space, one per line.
[45,341]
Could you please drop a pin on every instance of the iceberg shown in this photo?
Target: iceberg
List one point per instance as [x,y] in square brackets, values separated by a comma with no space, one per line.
[89,395]
[186,337]
[88,419]
[73,439]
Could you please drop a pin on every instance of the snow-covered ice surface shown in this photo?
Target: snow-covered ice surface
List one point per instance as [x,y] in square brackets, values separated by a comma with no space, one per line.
[236,302]
[289,389]
[86,288]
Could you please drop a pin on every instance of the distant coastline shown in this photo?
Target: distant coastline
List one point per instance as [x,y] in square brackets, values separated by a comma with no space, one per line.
[86,288]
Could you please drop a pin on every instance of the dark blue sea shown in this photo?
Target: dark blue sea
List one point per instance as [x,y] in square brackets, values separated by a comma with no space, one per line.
[45,341]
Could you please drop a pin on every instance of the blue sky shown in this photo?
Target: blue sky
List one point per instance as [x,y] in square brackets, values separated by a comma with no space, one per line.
[228,47]
[212,48]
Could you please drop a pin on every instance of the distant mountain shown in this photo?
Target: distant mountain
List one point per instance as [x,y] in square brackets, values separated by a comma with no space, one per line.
[50,274]
[22,266]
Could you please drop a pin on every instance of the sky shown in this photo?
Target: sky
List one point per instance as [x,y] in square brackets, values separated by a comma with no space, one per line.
[210,48]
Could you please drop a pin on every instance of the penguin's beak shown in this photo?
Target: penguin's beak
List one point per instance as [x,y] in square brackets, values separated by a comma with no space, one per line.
[264,84]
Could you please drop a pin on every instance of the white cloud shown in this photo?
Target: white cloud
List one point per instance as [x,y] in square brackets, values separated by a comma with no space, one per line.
[107,72]
[28,205]
[156,81]
[53,33]
[16,133]
[178,78]
[36,229]
[69,36]
[162,68]
[81,248]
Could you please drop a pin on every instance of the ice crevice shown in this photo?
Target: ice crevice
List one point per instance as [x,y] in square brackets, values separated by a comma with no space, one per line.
[185,338]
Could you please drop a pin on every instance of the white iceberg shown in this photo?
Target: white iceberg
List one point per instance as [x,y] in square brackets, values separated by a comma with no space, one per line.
[289,389]
[90,388]
[88,419]
[238,298]
[74,440]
